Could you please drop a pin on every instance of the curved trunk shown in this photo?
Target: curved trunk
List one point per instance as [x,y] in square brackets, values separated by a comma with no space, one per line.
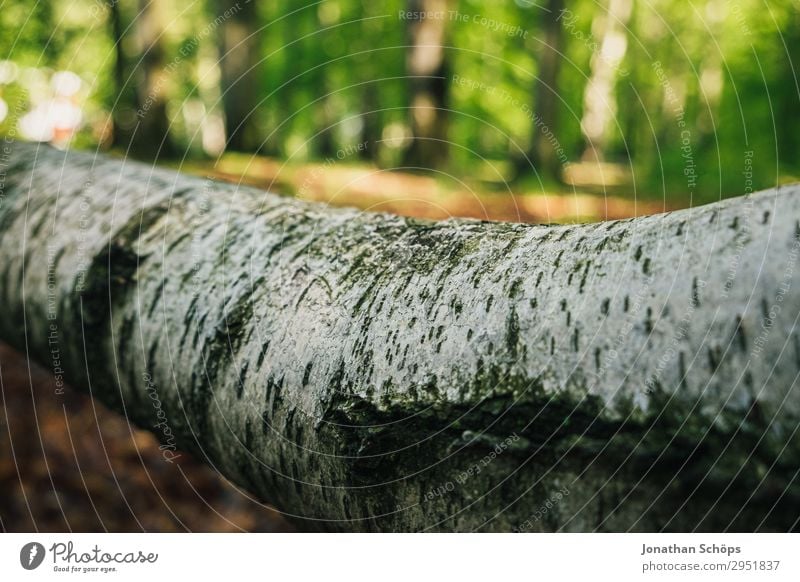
[370,372]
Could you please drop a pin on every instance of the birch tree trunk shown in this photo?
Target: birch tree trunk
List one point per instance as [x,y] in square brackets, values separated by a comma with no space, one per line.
[371,372]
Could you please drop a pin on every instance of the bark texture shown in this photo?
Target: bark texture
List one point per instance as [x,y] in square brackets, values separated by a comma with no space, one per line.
[371,372]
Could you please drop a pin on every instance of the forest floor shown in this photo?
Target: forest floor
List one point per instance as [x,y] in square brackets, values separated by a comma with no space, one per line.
[69,464]
[592,193]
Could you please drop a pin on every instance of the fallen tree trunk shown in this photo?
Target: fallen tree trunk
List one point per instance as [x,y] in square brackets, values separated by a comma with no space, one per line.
[371,372]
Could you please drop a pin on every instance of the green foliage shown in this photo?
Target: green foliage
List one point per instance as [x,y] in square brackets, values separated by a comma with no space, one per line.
[330,74]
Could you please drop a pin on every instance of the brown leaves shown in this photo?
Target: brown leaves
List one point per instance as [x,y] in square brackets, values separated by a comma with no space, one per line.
[67,463]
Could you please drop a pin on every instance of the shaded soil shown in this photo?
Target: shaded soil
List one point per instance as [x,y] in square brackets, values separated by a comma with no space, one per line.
[67,463]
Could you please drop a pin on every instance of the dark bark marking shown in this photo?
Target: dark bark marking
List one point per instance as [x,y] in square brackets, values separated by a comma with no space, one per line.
[604,305]
[512,332]
[740,334]
[648,321]
[695,293]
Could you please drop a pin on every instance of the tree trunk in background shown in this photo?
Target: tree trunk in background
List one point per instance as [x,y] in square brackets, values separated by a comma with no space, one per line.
[544,131]
[151,137]
[599,103]
[125,103]
[427,68]
[371,120]
[787,103]
[369,372]
[238,42]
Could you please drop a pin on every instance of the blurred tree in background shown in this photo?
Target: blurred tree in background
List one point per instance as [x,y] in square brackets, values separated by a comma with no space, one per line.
[238,63]
[666,100]
[429,81]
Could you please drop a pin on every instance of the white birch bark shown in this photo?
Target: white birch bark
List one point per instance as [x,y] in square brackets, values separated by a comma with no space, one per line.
[370,372]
